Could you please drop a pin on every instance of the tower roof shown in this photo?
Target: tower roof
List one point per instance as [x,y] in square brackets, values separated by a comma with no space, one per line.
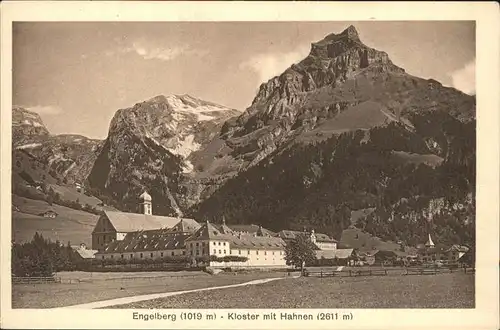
[145,196]
[429,241]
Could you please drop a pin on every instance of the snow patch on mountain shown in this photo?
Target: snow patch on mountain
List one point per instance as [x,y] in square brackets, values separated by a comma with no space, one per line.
[185,146]
[29,146]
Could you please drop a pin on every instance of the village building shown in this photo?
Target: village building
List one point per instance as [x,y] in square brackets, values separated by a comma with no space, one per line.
[431,253]
[48,214]
[321,241]
[338,256]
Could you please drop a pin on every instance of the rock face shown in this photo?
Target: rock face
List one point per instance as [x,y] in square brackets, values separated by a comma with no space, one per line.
[150,146]
[66,157]
[318,140]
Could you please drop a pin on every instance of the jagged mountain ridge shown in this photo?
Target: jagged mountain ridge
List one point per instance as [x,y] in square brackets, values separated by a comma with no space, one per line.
[150,146]
[342,85]
[67,157]
[343,96]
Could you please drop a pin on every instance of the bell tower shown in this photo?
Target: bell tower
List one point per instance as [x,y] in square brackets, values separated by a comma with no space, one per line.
[146,203]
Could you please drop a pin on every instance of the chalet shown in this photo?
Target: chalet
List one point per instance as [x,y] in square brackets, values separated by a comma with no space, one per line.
[114,225]
[48,214]
[456,252]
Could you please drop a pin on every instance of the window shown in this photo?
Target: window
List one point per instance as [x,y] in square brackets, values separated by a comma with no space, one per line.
[122,256]
[197,252]
[131,256]
[257,252]
[172,253]
[161,254]
[191,245]
[197,243]
[224,251]
[265,253]
[151,254]
[141,254]
[215,243]
[215,251]
[224,243]
[239,251]
[102,257]
[273,252]
[248,251]
[220,251]
[219,243]
[183,253]
[111,256]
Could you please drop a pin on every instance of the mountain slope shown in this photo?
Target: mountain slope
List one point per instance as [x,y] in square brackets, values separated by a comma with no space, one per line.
[67,158]
[150,146]
[342,130]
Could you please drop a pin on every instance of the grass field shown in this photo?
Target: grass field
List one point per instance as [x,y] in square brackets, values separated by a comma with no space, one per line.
[70,225]
[426,291]
[103,286]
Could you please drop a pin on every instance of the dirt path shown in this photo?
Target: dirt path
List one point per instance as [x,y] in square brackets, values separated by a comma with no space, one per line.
[128,300]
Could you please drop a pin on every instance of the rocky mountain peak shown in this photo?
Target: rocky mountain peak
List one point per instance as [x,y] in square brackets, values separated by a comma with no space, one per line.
[349,33]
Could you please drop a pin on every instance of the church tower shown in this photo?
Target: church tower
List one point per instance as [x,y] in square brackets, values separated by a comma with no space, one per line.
[429,242]
[146,203]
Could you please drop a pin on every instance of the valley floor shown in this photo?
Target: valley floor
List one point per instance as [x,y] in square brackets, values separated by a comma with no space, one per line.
[103,286]
[454,290]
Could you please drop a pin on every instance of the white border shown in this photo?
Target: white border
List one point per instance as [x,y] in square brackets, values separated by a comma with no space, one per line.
[484,316]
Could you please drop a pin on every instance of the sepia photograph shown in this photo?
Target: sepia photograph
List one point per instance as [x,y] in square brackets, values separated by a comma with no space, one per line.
[286,166]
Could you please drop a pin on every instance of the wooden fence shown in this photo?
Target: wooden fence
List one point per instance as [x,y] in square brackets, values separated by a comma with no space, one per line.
[385,272]
[35,280]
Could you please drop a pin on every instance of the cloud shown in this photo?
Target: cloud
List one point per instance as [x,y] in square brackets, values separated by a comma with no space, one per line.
[464,79]
[45,109]
[268,65]
[148,51]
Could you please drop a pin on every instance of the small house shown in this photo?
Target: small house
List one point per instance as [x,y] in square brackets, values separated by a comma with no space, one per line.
[48,214]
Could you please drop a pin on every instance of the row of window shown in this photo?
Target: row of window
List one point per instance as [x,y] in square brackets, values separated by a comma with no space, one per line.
[192,245]
[141,255]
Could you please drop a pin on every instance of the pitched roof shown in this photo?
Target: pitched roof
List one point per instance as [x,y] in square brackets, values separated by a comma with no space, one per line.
[458,248]
[85,253]
[151,240]
[224,229]
[291,234]
[208,232]
[256,242]
[185,226]
[251,229]
[247,241]
[145,197]
[129,222]
[324,238]
[332,254]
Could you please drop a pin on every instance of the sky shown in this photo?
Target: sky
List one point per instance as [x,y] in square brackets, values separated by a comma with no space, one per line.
[77,75]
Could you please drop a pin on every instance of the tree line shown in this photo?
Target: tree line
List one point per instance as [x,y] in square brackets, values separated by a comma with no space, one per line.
[42,258]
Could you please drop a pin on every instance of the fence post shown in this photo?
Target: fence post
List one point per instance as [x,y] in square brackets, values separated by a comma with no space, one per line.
[321,274]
